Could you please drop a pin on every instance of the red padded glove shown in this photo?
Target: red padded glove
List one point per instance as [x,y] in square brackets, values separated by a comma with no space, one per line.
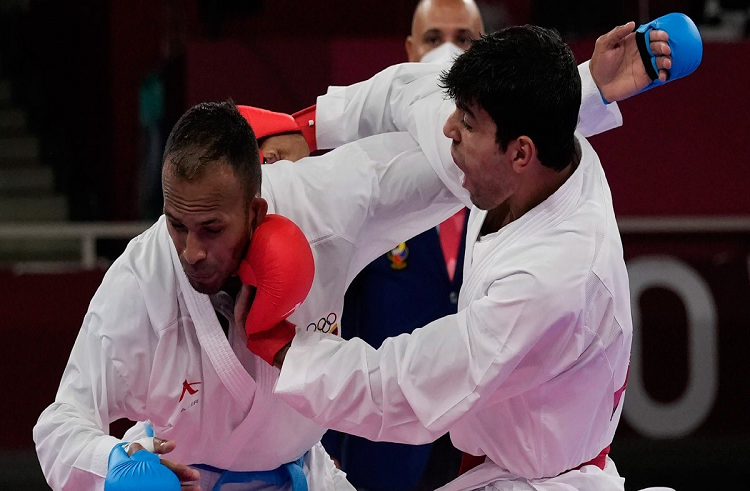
[279,263]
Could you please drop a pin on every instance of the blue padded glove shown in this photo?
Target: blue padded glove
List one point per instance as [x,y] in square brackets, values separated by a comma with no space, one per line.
[684,40]
[142,471]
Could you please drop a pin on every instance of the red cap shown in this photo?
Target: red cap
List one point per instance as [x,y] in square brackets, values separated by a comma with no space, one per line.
[268,123]
[306,123]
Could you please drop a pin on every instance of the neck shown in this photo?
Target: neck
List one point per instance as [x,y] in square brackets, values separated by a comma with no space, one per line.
[496,219]
[232,286]
[544,182]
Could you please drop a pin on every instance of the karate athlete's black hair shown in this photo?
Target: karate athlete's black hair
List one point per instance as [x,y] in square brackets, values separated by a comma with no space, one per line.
[208,132]
[527,80]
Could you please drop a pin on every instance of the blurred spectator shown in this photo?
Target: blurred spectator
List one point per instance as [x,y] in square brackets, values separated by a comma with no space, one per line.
[161,102]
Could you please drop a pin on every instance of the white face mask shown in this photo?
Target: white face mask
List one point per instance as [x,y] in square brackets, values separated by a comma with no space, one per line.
[445,53]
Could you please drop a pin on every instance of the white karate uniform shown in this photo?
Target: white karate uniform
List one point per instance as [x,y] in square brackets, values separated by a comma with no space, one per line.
[147,333]
[527,371]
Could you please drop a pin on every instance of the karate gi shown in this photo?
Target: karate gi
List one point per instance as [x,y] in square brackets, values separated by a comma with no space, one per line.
[151,348]
[529,371]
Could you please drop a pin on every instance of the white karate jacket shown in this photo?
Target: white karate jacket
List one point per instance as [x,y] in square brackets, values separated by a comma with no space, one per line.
[147,333]
[526,372]
[148,337]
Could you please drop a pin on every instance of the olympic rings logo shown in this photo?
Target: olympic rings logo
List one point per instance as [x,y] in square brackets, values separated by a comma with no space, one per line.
[325,324]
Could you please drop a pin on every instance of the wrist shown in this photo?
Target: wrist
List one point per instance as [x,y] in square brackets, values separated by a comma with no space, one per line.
[596,83]
[604,99]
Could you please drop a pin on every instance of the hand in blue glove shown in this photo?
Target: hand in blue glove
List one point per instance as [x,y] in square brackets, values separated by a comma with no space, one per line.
[143,470]
[685,46]
[625,63]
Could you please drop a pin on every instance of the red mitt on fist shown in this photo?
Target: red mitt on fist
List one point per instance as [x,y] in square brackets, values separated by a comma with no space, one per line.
[279,263]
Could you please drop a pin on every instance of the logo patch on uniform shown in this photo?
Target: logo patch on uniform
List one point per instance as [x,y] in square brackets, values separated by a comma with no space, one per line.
[188,387]
[397,256]
[327,324]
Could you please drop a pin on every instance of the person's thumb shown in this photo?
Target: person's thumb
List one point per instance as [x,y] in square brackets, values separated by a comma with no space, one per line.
[162,446]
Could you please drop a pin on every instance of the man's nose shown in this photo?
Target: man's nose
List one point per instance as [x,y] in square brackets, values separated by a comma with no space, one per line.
[194,251]
[451,128]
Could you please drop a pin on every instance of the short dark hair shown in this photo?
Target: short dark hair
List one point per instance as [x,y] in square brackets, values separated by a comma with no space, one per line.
[527,80]
[208,132]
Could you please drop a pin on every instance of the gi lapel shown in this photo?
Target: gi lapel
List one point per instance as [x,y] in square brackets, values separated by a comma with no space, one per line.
[233,375]
[476,218]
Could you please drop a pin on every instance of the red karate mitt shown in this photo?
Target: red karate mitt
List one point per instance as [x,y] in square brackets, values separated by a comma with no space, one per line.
[279,263]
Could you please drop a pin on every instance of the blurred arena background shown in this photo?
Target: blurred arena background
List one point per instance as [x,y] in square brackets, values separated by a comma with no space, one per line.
[90,88]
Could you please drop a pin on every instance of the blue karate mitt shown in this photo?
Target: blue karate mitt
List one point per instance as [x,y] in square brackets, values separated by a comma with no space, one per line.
[141,471]
[684,41]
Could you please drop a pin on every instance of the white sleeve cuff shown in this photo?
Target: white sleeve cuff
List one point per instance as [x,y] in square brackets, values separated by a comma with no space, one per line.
[595,116]
[329,109]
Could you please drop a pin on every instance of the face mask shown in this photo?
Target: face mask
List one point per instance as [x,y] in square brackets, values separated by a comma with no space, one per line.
[445,53]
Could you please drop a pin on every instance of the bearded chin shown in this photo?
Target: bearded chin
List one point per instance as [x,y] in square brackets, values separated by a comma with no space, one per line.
[204,288]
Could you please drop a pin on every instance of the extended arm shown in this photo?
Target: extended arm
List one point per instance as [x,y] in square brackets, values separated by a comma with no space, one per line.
[373,193]
[390,101]
[416,386]
[407,97]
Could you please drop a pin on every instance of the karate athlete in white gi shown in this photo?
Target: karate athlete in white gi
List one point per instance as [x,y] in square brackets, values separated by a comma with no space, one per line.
[151,347]
[530,372]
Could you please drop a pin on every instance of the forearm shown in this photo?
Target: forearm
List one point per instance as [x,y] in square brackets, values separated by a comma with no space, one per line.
[595,116]
[356,405]
[410,390]
[380,104]
[416,386]
[73,450]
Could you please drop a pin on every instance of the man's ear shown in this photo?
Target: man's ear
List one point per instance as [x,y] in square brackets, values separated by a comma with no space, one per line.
[409,47]
[258,211]
[521,152]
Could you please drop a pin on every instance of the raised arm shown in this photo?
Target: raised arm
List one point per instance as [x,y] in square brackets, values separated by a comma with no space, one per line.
[390,101]
[416,386]
[624,63]
[408,98]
